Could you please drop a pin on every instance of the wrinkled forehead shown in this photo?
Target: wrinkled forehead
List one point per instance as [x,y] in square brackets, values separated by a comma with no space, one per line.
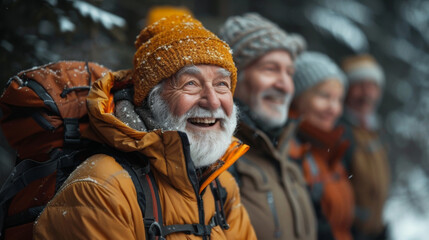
[196,70]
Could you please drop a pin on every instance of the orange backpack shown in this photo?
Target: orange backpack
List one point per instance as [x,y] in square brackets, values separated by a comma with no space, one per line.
[44,111]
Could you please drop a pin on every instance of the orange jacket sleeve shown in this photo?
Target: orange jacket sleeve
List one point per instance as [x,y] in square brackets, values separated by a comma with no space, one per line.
[93,208]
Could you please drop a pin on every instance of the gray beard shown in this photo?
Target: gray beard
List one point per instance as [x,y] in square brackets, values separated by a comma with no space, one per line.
[264,119]
[205,148]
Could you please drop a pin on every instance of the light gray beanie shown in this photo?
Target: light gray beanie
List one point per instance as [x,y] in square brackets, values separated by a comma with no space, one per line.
[312,68]
[250,36]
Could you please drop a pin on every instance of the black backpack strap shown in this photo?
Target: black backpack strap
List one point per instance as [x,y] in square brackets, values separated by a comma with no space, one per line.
[219,194]
[23,174]
[146,190]
[64,161]
[43,94]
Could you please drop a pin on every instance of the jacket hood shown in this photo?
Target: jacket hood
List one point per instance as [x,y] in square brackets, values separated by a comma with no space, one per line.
[167,151]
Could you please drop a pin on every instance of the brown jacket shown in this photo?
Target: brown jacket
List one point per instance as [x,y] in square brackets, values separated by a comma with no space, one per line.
[98,200]
[320,153]
[273,189]
[370,169]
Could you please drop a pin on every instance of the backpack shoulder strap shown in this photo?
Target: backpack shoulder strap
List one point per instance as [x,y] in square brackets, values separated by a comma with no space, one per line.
[24,173]
[147,193]
[220,195]
[28,171]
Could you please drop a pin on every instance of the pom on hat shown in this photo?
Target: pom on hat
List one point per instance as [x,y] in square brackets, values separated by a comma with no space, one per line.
[158,12]
[171,43]
[363,68]
[250,36]
[312,68]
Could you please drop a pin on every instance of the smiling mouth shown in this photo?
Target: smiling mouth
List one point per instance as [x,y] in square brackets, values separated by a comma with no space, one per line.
[275,100]
[203,122]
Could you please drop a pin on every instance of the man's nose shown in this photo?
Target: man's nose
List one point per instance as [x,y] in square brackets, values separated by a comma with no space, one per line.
[209,99]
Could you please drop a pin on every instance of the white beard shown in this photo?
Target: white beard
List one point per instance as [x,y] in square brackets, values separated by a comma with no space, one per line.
[263,117]
[205,148]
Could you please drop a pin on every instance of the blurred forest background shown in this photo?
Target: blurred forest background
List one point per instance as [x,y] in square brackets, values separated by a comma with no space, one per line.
[396,32]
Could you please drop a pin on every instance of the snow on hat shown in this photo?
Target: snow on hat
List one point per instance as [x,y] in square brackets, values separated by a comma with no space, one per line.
[312,68]
[171,43]
[250,36]
[363,68]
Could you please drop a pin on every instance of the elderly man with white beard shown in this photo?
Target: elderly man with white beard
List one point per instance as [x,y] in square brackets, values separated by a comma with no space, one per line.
[175,110]
[272,188]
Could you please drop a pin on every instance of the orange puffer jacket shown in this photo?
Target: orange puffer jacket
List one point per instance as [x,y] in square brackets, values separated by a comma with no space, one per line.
[98,200]
[319,153]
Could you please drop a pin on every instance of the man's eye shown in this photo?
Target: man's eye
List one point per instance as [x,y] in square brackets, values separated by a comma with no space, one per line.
[223,84]
[190,83]
[323,94]
[270,69]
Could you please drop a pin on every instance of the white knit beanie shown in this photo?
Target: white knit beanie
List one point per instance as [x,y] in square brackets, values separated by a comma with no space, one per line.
[250,36]
[312,68]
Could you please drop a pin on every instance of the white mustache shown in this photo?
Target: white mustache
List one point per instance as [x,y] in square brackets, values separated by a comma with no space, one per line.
[198,112]
[274,93]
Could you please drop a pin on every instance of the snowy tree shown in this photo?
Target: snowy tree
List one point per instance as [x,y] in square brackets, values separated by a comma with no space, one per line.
[41,31]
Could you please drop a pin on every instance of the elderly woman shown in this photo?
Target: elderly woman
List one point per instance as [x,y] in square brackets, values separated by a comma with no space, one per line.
[318,146]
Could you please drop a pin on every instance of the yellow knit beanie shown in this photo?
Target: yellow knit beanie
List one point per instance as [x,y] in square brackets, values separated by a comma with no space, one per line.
[157,12]
[171,43]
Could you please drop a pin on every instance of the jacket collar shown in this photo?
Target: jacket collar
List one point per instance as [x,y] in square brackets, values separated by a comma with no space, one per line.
[260,141]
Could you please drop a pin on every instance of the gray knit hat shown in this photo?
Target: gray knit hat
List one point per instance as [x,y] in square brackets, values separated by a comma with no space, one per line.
[312,68]
[250,36]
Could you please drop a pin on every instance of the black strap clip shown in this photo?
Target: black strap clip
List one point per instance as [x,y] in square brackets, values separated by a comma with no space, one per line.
[155,230]
[71,132]
[202,230]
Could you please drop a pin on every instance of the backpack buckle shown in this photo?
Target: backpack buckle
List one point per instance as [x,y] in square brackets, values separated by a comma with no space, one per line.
[71,132]
[155,230]
[202,230]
